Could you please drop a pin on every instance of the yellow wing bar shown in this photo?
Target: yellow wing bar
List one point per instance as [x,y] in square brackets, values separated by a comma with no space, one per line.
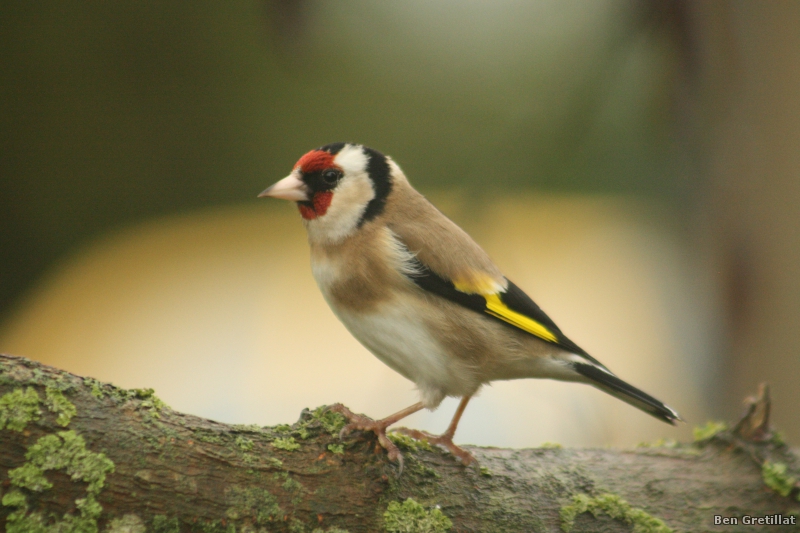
[478,284]
[496,308]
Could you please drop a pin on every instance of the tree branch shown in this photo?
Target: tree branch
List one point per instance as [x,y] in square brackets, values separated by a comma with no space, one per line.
[80,455]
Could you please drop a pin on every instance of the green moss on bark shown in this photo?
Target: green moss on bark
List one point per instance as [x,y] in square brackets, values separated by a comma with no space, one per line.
[411,517]
[255,504]
[406,443]
[613,506]
[164,524]
[708,430]
[64,451]
[286,443]
[129,523]
[58,404]
[776,478]
[18,408]
[330,421]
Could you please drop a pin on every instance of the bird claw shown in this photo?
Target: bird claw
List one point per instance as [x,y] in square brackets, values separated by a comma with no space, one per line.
[365,423]
[444,440]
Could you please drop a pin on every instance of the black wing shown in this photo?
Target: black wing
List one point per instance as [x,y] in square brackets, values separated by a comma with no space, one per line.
[512,307]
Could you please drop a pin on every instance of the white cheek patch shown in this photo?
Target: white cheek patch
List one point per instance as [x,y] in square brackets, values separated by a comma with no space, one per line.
[350,199]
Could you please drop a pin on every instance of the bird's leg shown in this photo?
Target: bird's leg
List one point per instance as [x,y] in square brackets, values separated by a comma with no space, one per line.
[364,423]
[446,438]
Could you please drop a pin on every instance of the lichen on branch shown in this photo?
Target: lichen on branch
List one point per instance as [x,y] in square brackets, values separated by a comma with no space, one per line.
[81,456]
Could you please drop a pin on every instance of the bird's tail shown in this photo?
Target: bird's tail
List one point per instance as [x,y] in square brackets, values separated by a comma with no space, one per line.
[608,382]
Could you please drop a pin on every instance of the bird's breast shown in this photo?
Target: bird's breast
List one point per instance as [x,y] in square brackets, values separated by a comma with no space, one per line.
[361,274]
[381,309]
[358,285]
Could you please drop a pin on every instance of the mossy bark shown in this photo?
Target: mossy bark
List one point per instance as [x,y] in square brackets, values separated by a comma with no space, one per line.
[150,468]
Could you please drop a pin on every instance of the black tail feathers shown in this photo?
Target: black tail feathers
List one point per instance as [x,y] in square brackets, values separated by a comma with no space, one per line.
[611,384]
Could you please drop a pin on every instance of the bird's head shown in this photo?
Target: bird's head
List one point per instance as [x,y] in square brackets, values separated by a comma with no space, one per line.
[338,187]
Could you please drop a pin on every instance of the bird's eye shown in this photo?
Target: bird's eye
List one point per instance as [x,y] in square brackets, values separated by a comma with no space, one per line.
[331,176]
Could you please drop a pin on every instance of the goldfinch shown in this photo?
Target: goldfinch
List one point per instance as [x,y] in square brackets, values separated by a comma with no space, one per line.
[422,296]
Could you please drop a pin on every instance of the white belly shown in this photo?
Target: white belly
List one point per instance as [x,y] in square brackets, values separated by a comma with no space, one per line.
[398,340]
[401,340]
[396,332]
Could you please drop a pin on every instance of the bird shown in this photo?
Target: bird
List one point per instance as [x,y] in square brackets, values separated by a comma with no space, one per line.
[420,294]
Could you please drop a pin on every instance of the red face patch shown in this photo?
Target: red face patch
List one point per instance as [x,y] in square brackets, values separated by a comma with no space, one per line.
[320,204]
[314,161]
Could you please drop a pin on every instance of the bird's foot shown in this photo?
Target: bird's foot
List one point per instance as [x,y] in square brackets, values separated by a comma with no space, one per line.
[365,423]
[444,440]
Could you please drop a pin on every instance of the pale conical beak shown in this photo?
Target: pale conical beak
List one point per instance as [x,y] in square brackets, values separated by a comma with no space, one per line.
[289,188]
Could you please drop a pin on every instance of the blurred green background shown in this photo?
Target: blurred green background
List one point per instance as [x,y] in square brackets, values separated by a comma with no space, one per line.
[114,115]
[117,112]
